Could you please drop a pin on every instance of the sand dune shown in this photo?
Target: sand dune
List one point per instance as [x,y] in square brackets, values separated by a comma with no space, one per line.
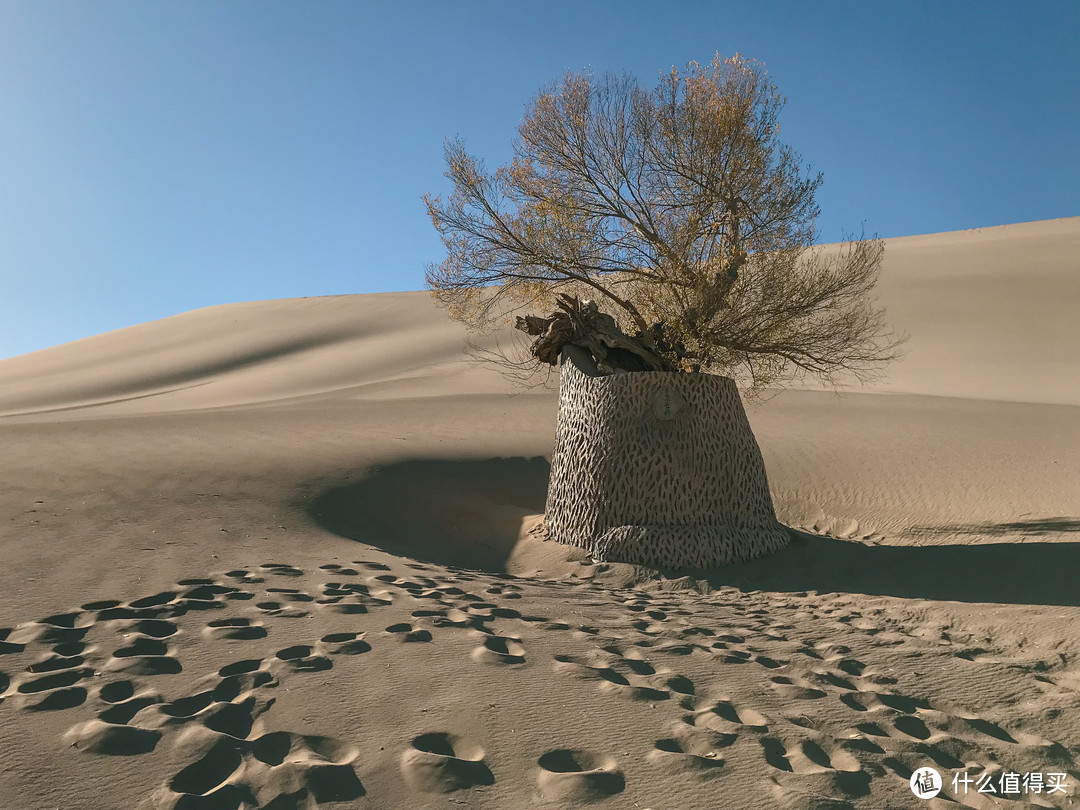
[239,354]
[284,554]
[987,311]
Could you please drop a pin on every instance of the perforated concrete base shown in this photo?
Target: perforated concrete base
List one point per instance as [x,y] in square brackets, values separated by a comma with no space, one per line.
[658,469]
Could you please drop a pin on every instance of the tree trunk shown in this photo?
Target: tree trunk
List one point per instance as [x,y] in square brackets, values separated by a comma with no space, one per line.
[658,469]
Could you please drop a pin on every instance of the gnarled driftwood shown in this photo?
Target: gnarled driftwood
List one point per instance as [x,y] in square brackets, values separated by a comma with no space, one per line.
[581,323]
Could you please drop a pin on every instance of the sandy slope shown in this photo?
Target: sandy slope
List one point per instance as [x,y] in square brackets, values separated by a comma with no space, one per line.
[277,554]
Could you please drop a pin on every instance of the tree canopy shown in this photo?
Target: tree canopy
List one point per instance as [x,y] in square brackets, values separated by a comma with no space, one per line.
[680,213]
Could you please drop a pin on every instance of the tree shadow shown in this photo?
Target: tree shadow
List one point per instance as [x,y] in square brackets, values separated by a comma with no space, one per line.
[467,513]
[1028,528]
[1022,573]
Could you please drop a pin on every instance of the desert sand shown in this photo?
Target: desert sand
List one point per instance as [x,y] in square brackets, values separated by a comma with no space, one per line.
[289,554]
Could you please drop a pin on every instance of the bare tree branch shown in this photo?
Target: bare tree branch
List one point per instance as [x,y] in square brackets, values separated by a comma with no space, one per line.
[679,209]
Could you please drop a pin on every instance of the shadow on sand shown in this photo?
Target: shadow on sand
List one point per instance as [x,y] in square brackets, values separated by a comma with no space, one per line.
[1023,573]
[462,512]
[1027,528]
[468,513]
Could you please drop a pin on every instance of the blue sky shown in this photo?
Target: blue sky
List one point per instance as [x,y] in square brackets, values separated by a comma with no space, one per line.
[159,157]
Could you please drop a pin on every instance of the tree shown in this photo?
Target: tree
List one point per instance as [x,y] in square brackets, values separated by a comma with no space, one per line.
[680,214]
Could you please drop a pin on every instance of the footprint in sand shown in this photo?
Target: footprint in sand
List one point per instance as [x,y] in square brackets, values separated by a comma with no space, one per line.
[239,678]
[814,773]
[278,610]
[578,776]
[554,626]
[372,566]
[153,628]
[486,611]
[450,590]
[505,590]
[55,691]
[116,691]
[649,628]
[232,719]
[345,589]
[851,666]
[609,679]
[226,705]
[144,655]
[870,700]
[244,576]
[349,598]
[101,604]
[240,667]
[829,680]
[112,739]
[345,643]
[206,778]
[234,629]
[440,762]
[295,770]
[769,663]
[450,617]
[163,605]
[290,595]
[64,656]
[421,588]
[722,716]
[122,702]
[281,570]
[109,733]
[132,721]
[129,720]
[639,672]
[303,658]
[795,688]
[203,594]
[154,600]
[691,751]
[726,655]
[340,570]
[405,632]
[63,628]
[500,650]
[813,755]
[153,612]
[6,646]
[175,712]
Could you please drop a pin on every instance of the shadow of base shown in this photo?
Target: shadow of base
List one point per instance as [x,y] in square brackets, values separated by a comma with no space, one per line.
[468,513]
[450,512]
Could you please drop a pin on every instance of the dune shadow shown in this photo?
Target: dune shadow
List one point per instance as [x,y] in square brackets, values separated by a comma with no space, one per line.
[1008,573]
[450,512]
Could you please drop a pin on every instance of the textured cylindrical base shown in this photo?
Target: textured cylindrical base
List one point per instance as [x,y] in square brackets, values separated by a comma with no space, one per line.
[658,469]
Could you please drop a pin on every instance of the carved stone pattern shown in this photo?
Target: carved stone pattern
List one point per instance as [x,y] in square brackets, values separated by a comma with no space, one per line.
[687,492]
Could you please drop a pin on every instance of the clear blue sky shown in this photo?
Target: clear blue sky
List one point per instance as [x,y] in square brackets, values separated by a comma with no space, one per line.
[161,156]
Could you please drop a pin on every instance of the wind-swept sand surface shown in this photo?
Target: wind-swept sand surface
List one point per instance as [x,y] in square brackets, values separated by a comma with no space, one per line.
[285,554]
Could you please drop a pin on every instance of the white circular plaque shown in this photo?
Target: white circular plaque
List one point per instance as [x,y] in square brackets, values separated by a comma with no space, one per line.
[668,403]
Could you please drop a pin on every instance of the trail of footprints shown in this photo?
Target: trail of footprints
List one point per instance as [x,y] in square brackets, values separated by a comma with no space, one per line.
[229,766]
[813,758]
[66,661]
